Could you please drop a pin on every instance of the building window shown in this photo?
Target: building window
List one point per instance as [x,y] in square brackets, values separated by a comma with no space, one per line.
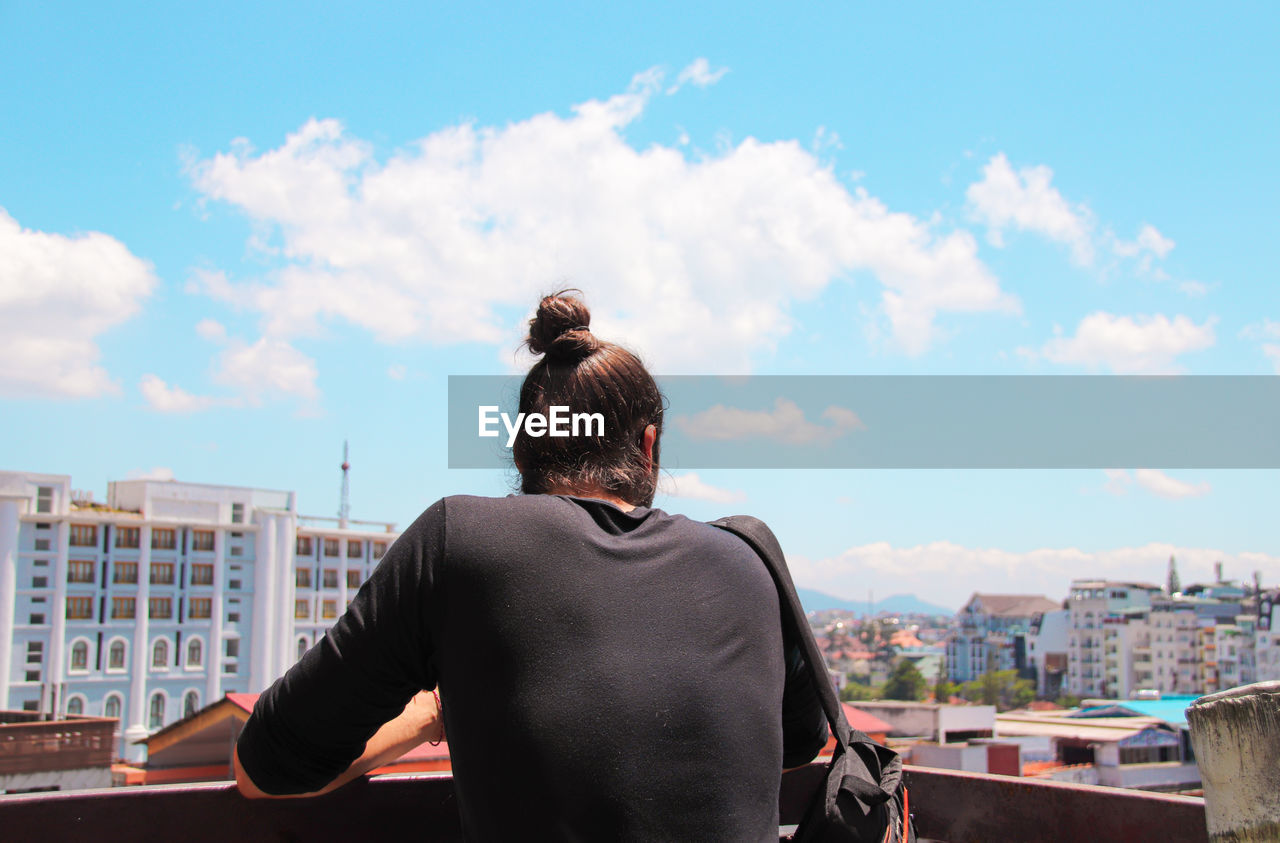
[302,578]
[80,656]
[75,706]
[115,655]
[237,513]
[79,570]
[233,617]
[302,647]
[111,708]
[162,573]
[235,550]
[42,544]
[330,547]
[355,550]
[160,608]
[379,548]
[160,654]
[79,608]
[44,499]
[232,648]
[233,585]
[128,536]
[84,535]
[303,547]
[195,653]
[330,577]
[125,572]
[201,574]
[301,609]
[35,652]
[353,578]
[190,703]
[123,608]
[229,667]
[36,619]
[39,582]
[329,609]
[157,711]
[33,675]
[202,539]
[164,539]
[201,608]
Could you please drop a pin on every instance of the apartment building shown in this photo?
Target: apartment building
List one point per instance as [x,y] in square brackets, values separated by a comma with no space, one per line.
[992,634]
[1091,604]
[164,598]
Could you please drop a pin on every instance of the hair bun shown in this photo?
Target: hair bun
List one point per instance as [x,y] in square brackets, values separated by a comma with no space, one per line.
[560,329]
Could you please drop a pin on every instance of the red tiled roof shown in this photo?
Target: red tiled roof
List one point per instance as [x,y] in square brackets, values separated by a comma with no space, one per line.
[244,701]
[860,719]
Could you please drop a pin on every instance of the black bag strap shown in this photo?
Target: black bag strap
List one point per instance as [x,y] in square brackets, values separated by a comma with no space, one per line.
[762,540]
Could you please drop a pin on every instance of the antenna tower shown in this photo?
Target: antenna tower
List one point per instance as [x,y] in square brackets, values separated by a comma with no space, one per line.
[344,507]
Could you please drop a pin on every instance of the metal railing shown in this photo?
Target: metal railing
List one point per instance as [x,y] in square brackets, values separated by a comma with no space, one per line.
[947,806]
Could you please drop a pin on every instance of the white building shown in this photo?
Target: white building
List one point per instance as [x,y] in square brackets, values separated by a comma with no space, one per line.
[163,599]
[1091,603]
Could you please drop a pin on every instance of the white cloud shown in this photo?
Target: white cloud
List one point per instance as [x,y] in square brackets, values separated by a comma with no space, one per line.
[210,329]
[158,473]
[690,485]
[1268,332]
[694,262]
[171,399]
[1128,344]
[57,295]
[1149,246]
[698,73]
[1026,200]
[397,371]
[1154,481]
[947,573]
[266,369]
[1194,289]
[786,422]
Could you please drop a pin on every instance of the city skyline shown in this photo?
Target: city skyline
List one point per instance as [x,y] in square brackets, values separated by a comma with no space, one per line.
[233,240]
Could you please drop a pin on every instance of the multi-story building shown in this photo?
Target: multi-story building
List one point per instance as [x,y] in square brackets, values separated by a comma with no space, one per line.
[1047,651]
[164,598]
[1091,603]
[992,634]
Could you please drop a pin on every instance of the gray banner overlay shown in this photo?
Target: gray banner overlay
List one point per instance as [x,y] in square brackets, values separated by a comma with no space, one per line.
[925,421]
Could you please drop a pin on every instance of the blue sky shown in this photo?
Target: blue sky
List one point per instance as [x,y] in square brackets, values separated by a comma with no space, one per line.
[232,238]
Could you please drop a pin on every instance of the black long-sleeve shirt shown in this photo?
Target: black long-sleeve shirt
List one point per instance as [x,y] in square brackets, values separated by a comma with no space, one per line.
[603,674]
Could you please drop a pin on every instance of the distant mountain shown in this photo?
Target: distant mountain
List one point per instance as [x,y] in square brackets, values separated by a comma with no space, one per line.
[899,604]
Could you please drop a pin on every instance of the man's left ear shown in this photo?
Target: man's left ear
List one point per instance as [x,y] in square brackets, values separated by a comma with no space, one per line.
[648,442]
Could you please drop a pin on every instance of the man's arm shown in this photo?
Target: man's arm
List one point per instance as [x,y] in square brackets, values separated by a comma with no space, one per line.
[350,699]
[420,721]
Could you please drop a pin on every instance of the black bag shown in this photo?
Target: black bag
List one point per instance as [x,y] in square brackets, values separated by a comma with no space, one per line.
[862,799]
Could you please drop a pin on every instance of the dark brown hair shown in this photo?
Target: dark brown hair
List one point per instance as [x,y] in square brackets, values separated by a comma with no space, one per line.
[587,375]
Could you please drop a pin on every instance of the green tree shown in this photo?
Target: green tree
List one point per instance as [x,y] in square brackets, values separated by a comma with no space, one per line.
[1001,688]
[855,691]
[906,682]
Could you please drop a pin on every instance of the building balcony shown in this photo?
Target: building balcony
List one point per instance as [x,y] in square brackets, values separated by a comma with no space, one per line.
[30,746]
[947,806]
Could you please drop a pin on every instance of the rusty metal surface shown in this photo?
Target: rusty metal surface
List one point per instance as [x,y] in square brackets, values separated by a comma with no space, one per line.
[34,747]
[388,808]
[969,807]
[948,806]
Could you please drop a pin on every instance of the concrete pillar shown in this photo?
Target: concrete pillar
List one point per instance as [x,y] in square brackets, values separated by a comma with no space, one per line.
[8,591]
[58,641]
[286,543]
[139,702]
[213,658]
[1236,738]
[264,595]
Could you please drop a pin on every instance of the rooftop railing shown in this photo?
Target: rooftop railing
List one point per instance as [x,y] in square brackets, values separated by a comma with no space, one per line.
[29,746]
[947,806]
